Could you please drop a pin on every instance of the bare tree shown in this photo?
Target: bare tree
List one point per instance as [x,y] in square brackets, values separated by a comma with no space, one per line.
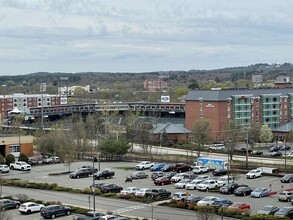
[201,133]
[205,212]
[233,135]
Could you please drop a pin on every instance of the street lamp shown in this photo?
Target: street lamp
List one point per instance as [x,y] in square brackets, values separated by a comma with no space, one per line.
[94,187]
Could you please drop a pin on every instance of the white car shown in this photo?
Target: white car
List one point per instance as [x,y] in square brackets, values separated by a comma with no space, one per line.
[200,169]
[289,154]
[129,191]
[179,196]
[180,176]
[144,165]
[4,168]
[182,183]
[141,192]
[253,174]
[108,217]
[193,184]
[30,207]
[224,180]
[217,147]
[207,185]
[207,201]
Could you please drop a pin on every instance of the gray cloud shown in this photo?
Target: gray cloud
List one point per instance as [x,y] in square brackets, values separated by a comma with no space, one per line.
[145,35]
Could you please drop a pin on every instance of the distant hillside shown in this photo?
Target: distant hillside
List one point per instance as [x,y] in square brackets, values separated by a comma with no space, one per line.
[135,80]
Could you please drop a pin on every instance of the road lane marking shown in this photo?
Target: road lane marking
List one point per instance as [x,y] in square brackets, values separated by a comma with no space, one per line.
[130,208]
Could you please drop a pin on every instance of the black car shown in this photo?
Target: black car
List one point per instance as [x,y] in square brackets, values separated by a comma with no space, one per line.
[285,212]
[220,172]
[287,147]
[111,188]
[288,178]
[257,152]
[91,216]
[9,204]
[228,188]
[98,185]
[168,167]
[268,210]
[193,199]
[81,172]
[53,211]
[274,148]
[276,154]
[242,191]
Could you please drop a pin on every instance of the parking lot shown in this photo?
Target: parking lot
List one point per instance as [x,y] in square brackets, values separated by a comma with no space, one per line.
[41,174]
[15,215]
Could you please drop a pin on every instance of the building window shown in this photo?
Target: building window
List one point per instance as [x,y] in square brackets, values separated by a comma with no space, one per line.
[285,113]
[15,100]
[14,148]
[39,99]
[24,104]
[48,99]
[15,105]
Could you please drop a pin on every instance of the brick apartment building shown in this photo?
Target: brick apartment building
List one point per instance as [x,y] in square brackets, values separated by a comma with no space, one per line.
[245,106]
[24,101]
[154,85]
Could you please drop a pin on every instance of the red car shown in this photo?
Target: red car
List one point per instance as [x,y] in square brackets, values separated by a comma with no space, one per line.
[163,180]
[239,205]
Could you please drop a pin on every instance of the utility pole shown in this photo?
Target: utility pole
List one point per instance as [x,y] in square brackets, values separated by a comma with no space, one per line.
[94,187]
[246,148]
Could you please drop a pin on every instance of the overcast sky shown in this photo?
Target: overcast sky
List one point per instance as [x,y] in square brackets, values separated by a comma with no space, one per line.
[142,35]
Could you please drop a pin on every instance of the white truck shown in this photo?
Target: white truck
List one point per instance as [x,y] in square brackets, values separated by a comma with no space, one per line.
[20,165]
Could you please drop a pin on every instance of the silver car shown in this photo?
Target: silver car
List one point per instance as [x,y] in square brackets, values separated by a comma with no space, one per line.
[285,196]
[139,175]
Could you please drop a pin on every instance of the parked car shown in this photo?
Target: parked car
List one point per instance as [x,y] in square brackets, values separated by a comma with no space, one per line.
[157,167]
[260,192]
[55,159]
[104,174]
[242,191]
[139,175]
[285,212]
[144,165]
[257,152]
[193,199]
[168,167]
[4,168]
[36,160]
[230,188]
[276,154]
[182,183]
[239,205]
[108,217]
[90,169]
[207,185]
[224,180]
[288,178]
[163,180]
[180,176]
[179,196]
[222,203]
[197,180]
[90,216]
[141,192]
[129,191]
[53,211]
[289,154]
[9,204]
[268,210]
[81,172]
[30,207]
[157,174]
[287,147]
[253,174]
[220,172]
[285,196]
[274,148]
[98,185]
[111,188]
[181,167]
[200,169]
[158,193]
[170,174]
[47,160]
[217,147]
[207,201]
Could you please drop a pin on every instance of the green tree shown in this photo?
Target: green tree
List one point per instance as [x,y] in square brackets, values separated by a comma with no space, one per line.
[265,134]
[112,147]
[9,159]
[201,134]
[181,91]
[80,91]
[289,137]
[2,159]
[193,85]
[23,157]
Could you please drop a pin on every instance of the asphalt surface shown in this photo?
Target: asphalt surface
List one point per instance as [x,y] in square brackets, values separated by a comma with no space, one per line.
[41,174]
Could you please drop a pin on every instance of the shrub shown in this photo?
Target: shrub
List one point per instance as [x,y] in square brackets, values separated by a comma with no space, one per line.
[22,197]
[264,217]
[9,159]
[23,157]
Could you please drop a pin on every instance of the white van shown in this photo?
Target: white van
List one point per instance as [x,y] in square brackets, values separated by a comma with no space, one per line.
[217,147]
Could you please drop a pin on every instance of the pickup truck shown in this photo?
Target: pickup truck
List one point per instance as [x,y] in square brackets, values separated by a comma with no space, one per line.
[105,174]
[20,165]
[90,216]
[157,193]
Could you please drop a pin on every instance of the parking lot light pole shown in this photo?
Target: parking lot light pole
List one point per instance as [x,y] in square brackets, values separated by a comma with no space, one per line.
[94,187]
